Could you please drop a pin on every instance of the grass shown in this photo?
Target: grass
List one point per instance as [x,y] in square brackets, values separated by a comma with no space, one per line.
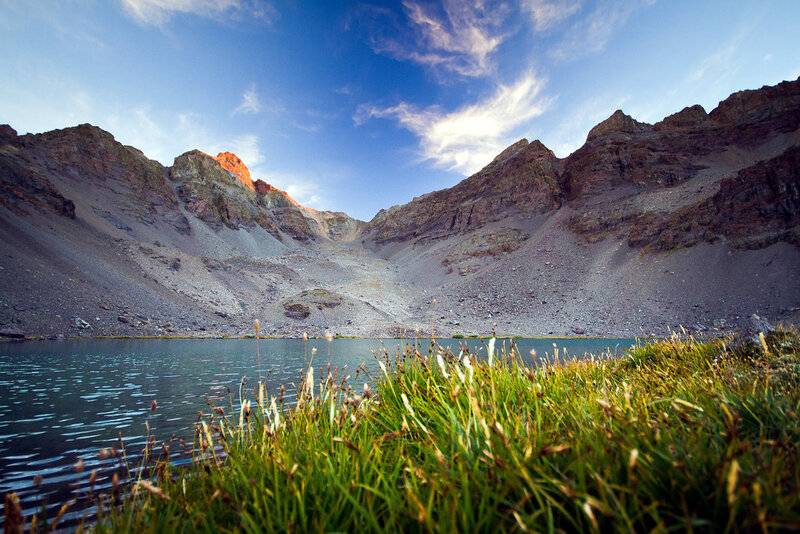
[676,435]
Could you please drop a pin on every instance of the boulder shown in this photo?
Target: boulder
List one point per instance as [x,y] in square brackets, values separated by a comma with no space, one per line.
[296,310]
[12,332]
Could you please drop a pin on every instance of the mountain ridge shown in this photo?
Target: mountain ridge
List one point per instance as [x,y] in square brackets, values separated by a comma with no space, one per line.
[616,153]
[692,220]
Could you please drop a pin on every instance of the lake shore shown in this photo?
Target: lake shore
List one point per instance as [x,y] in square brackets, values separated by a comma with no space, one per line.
[675,434]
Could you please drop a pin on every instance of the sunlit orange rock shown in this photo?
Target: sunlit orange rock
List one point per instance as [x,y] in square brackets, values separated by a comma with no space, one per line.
[231,163]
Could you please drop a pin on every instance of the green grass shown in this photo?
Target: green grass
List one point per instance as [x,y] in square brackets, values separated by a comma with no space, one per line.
[676,435]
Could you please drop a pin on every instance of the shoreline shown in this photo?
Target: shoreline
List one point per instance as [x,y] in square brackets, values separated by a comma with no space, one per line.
[227,337]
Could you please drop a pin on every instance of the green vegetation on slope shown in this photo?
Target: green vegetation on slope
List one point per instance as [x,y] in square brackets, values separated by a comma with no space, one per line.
[675,435]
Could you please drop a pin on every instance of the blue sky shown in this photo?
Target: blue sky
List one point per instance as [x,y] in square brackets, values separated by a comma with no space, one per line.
[359,106]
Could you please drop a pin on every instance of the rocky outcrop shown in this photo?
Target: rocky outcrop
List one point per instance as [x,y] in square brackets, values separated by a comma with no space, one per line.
[617,123]
[523,180]
[231,163]
[688,117]
[37,169]
[301,305]
[215,195]
[21,188]
[769,110]
[213,191]
[758,206]
[115,181]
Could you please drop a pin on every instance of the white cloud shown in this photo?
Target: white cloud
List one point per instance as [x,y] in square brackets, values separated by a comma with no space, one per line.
[548,13]
[158,12]
[720,64]
[591,34]
[467,139]
[345,90]
[246,146]
[304,190]
[462,39]
[250,104]
[163,137]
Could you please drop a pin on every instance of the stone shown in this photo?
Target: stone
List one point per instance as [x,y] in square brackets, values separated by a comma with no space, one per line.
[296,310]
[231,163]
[760,324]
[12,332]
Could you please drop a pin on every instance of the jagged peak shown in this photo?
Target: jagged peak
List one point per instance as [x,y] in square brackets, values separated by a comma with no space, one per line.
[83,130]
[688,116]
[262,188]
[511,150]
[229,162]
[194,152]
[234,165]
[7,132]
[769,98]
[537,147]
[618,122]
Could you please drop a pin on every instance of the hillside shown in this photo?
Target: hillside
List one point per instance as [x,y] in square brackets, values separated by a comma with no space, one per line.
[694,220]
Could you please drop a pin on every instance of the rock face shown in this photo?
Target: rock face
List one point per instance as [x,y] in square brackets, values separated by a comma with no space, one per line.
[614,181]
[757,207]
[231,163]
[49,171]
[215,195]
[617,123]
[688,117]
[220,192]
[45,169]
[522,179]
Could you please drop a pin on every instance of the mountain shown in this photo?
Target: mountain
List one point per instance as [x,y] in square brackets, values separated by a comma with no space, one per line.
[693,220]
[622,159]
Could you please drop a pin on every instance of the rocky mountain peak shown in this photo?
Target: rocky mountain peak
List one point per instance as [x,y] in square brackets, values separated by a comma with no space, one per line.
[511,150]
[231,163]
[750,104]
[618,122]
[688,117]
[275,197]
[538,151]
[263,188]
[538,146]
[7,132]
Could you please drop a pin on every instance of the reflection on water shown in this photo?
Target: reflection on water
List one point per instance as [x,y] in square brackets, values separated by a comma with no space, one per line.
[62,401]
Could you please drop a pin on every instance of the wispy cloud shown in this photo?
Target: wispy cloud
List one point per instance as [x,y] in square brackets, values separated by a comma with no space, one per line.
[548,13]
[591,33]
[345,90]
[159,12]
[164,136]
[303,189]
[461,37]
[707,81]
[569,134]
[468,138]
[246,146]
[250,104]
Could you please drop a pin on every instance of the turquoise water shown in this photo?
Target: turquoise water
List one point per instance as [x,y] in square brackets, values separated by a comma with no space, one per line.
[62,401]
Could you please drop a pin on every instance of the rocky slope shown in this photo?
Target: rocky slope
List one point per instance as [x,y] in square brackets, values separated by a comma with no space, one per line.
[694,220]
